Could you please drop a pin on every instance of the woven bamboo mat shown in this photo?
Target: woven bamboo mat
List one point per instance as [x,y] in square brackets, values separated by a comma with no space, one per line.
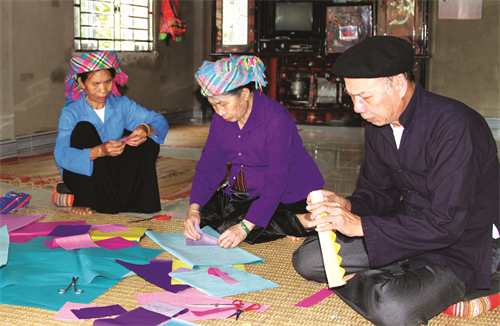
[191,136]
[277,268]
[175,176]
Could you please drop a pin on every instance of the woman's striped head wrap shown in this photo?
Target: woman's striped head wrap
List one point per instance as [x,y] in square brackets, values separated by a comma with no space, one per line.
[226,74]
[92,62]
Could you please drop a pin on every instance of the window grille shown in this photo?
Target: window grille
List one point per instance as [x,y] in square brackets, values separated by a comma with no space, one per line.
[114,25]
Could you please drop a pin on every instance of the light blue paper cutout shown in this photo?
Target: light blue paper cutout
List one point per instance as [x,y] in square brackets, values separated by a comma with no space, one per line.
[199,257]
[46,272]
[179,322]
[4,245]
[217,287]
[33,263]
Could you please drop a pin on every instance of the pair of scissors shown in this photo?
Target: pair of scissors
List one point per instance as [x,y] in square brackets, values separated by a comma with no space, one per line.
[156,217]
[239,310]
[73,283]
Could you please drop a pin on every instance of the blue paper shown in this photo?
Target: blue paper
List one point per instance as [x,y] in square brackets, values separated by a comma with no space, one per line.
[179,322]
[4,245]
[33,263]
[199,257]
[35,273]
[217,287]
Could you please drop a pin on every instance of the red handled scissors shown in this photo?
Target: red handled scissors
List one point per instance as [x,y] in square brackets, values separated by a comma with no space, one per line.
[239,310]
[156,217]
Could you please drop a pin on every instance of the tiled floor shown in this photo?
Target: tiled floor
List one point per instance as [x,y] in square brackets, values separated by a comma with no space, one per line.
[338,151]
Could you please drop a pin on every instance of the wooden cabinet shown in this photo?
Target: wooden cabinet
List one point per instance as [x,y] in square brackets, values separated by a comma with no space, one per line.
[299,41]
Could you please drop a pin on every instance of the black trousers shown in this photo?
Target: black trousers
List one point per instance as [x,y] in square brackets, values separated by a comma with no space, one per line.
[124,183]
[223,211]
[391,295]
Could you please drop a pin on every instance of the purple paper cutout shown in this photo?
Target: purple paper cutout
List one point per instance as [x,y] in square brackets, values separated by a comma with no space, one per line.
[38,229]
[315,298]
[217,272]
[15,222]
[156,272]
[98,312]
[65,312]
[138,316]
[110,227]
[205,240]
[165,309]
[69,230]
[116,243]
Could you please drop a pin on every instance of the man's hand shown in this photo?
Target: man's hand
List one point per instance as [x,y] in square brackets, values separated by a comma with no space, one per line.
[338,218]
[330,196]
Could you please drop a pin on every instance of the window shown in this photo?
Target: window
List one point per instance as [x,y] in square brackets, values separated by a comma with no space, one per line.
[114,25]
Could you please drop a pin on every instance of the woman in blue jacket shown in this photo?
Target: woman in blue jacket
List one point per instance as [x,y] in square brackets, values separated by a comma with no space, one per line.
[104,173]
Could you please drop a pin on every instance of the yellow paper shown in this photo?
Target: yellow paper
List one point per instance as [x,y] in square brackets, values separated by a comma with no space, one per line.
[329,250]
[133,235]
[176,263]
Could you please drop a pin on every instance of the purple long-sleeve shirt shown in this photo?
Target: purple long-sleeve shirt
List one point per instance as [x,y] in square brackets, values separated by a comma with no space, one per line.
[268,149]
[434,200]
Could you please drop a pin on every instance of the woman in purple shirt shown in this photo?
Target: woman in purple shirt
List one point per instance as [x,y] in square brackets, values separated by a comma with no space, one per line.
[271,172]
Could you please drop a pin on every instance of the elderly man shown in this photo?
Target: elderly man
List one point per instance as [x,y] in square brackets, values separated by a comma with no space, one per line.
[416,235]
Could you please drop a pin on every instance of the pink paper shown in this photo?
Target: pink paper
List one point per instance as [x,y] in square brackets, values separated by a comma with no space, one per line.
[65,312]
[38,229]
[116,243]
[110,228]
[51,244]
[192,296]
[217,272]
[315,298]
[15,222]
[76,242]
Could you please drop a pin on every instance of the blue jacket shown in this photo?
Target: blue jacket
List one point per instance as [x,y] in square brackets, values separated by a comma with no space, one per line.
[434,200]
[121,113]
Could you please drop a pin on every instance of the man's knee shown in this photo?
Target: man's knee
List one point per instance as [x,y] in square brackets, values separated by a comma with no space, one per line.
[308,262]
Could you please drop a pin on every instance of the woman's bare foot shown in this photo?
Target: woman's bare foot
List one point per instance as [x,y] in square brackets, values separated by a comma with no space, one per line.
[304,219]
[81,210]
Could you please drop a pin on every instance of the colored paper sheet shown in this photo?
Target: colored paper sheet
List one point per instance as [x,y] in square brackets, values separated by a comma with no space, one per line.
[76,242]
[179,264]
[15,222]
[217,287]
[204,240]
[115,243]
[33,263]
[47,297]
[217,272]
[110,228]
[35,273]
[51,244]
[165,309]
[156,272]
[135,234]
[179,322]
[315,298]
[39,229]
[65,312]
[69,230]
[139,316]
[4,245]
[199,257]
[192,296]
[99,312]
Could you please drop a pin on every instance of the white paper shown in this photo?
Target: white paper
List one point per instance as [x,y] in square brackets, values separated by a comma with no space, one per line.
[460,9]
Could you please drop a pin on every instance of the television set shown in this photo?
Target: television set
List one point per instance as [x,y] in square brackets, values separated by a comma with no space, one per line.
[296,19]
